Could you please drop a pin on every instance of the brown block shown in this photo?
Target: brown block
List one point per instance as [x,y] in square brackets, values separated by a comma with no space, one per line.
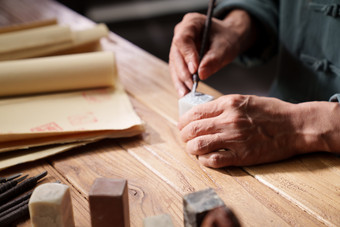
[109,203]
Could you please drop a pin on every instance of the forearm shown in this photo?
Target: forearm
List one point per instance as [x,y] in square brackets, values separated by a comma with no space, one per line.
[318,126]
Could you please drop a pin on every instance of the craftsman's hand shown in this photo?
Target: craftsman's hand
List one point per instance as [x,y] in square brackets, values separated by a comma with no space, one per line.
[228,38]
[240,130]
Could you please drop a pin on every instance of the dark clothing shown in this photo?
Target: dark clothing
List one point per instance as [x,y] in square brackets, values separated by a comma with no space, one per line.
[306,36]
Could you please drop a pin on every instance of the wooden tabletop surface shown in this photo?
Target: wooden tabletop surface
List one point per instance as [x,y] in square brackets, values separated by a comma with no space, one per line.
[303,191]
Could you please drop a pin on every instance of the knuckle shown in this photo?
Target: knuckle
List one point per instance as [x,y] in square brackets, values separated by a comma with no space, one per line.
[213,58]
[214,161]
[193,130]
[235,100]
[198,144]
[177,39]
[191,16]
[195,146]
[196,112]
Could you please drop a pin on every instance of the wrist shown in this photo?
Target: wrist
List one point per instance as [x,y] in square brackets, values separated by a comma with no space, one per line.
[317,126]
[242,24]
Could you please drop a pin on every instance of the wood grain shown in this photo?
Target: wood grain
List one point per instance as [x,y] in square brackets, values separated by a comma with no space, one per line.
[148,194]
[162,152]
[311,182]
[303,191]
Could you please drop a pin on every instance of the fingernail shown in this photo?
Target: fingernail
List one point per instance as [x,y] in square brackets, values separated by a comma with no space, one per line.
[191,67]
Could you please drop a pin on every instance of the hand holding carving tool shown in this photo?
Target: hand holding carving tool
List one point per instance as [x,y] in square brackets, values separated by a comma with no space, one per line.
[205,38]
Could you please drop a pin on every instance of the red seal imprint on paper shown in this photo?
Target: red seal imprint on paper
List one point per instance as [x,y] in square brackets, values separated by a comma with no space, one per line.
[49,127]
[97,96]
[81,119]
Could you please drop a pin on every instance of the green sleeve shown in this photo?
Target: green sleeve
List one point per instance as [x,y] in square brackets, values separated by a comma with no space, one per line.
[265,12]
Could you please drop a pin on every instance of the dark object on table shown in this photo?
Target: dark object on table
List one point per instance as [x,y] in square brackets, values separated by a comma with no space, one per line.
[6,179]
[10,184]
[109,204]
[197,204]
[15,202]
[14,216]
[21,188]
[205,40]
[220,217]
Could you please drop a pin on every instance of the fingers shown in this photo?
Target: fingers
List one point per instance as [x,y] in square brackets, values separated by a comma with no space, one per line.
[218,55]
[186,38]
[202,111]
[205,144]
[183,57]
[179,72]
[218,159]
[199,128]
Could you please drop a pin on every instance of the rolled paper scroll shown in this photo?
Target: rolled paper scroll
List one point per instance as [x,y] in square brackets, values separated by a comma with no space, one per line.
[60,73]
[34,38]
[82,41]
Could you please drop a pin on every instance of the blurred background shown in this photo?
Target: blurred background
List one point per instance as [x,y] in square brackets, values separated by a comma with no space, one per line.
[149,24]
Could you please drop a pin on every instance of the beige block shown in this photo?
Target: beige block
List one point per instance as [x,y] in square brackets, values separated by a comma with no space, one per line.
[50,205]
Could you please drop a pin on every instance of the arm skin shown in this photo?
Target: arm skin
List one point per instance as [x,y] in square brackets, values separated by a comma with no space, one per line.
[240,130]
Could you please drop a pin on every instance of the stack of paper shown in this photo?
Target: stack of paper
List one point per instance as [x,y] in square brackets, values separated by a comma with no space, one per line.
[45,38]
[52,104]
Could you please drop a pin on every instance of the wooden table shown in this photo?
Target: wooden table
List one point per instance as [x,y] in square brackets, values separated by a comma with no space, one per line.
[303,191]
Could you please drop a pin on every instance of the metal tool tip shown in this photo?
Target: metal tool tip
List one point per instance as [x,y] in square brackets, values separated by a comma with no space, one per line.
[22,178]
[41,175]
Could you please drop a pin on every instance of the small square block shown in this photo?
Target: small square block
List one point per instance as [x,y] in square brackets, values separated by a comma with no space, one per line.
[190,100]
[197,204]
[109,203]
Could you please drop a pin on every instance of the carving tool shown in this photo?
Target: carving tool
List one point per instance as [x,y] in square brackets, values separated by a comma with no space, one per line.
[15,207]
[6,179]
[10,184]
[15,202]
[205,38]
[14,216]
[20,188]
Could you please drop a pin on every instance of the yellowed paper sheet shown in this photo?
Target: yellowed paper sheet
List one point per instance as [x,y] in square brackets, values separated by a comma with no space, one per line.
[70,116]
[80,39]
[58,73]
[34,38]
[22,156]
